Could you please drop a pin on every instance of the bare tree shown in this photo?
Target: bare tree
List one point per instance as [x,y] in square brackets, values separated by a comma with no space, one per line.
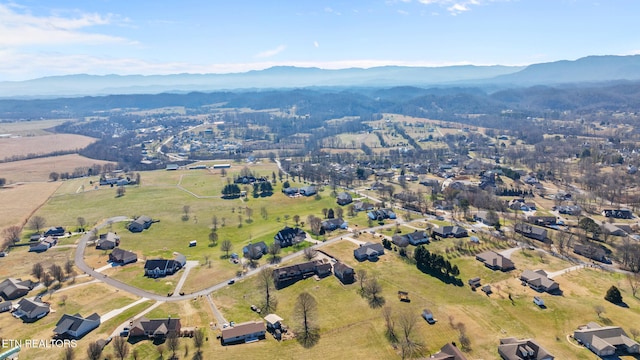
[68,354]
[47,280]
[120,191]
[213,238]
[12,234]
[226,246]
[120,347]
[274,250]
[37,270]
[135,355]
[57,272]
[372,289]
[198,339]
[160,349]
[296,219]
[94,351]
[361,274]
[599,309]
[185,210]
[389,324]
[634,332]
[634,282]
[409,346]
[173,343]
[339,212]
[265,281]
[36,223]
[81,223]
[310,253]
[305,311]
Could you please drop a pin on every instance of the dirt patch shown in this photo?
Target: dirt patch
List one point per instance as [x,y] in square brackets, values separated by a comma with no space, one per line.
[21,200]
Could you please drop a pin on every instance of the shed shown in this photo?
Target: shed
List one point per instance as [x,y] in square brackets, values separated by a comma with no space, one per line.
[273,321]
[193,243]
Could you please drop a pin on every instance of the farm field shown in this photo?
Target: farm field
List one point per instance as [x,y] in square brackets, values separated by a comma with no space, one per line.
[39,169]
[20,200]
[44,144]
[29,128]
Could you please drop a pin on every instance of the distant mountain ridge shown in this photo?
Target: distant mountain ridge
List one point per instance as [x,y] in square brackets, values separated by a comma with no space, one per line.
[588,69]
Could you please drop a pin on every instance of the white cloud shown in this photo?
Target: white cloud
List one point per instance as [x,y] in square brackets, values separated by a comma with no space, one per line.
[457,6]
[316,44]
[271,52]
[18,27]
[403,12]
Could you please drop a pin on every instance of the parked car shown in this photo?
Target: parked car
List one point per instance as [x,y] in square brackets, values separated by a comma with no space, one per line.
[231,282]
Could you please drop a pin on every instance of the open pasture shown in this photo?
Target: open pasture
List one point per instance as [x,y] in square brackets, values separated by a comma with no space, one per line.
[40,168]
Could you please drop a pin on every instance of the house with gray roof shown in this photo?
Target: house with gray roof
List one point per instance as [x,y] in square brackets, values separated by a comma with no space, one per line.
[449,352]
[141,223]
[605,340]
[122,257]
[532,232]
[108,241]
[495,261]
[344,272]
[526,349]
[161,267]
[344,198]
[592,252]
[14,288]
[368,251]
[155,328]
[450,231]
[31,310]
[75,326]
[539,281]
[415,238]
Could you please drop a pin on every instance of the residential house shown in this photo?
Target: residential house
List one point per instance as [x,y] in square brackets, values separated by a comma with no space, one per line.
[255,251]
[122,257]
[5,306]
[36,237]
[31,310]
[448,352]
[618,213]
[539,281]
[289,236]
[400,240]
[108,241]
[612,229]
[591,252]
[542,220]
[155,328]
[344,272]
[495,261]
[243,333]
[483,217]
[285,276]
[291,191]
[569,209]
[368,251]
[526,349]
[415,238]
[532,232]
[14,288]
[344,198]
[605,340]
[308,190]
[75,326]
[44,244]
[55,231]
[161,267]
[273,321]
[141,223]
[362,206]
[381,214]
[450,231]
[333,224]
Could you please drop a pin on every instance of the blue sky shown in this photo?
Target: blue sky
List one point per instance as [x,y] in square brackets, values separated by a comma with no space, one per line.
[56,37]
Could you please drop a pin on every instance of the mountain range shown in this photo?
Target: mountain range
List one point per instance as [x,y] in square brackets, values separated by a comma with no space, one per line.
[592,69]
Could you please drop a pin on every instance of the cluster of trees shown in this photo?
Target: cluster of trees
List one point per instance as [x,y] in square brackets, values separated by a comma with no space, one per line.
[262,188]
[54,273]
[231,191]
[436,265]
[400,331]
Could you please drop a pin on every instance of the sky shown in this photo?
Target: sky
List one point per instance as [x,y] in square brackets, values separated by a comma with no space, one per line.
[58,37]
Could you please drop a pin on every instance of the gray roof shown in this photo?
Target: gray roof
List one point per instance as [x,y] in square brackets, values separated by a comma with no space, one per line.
[513,349]
[74,322]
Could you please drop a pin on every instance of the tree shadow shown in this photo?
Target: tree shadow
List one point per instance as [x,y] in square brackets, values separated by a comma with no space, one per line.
[310,339]
[376,302]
